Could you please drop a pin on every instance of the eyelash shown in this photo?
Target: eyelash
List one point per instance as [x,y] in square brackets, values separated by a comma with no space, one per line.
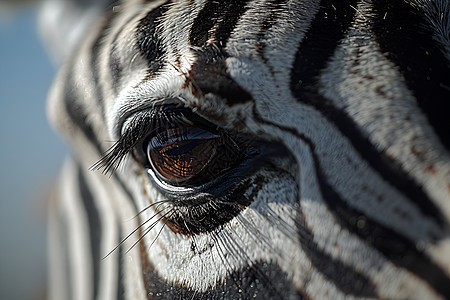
[141,126]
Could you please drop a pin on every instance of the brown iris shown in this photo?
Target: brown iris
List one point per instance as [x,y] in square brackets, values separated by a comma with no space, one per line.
[184,156]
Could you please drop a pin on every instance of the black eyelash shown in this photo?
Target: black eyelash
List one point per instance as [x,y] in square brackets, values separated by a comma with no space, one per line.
[142,125]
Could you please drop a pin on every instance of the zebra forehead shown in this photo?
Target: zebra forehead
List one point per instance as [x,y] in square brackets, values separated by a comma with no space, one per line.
[211,57]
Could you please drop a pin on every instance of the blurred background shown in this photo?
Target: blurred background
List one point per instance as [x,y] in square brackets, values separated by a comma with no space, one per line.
[30,152]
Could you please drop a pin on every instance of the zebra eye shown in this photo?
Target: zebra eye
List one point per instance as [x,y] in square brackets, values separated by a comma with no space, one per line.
[191,156]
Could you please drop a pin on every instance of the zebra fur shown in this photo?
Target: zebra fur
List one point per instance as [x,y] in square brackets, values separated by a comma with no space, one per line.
[346,103]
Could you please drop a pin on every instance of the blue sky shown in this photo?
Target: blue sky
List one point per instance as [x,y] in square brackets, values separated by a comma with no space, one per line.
[30,156]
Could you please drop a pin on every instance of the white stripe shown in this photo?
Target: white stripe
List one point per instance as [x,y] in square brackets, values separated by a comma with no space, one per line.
[58,281]
[78,231]
[363,83]
[125,216]
[109,268]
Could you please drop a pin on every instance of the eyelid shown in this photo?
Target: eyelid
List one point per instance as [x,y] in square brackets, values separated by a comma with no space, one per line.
[132,120]
[142,124]
[129,111]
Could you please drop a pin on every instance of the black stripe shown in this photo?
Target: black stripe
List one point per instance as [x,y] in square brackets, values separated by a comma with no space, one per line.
[223,14]
[203,23]
[389,169]
[121,284]
[349,281]
[95,228]
[75,110]
[395,247]
[209,73]
[120,273]
[328,27]
[148,41]
[392,245]
[95,49]
[311,58]
[78,116]
[115,61]
[95,56]
[274,7]
[408,42]
[115,65]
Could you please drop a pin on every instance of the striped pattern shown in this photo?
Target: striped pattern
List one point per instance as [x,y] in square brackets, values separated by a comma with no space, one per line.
[345,193]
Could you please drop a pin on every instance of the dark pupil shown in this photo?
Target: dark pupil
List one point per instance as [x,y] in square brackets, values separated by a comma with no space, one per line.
[187,155]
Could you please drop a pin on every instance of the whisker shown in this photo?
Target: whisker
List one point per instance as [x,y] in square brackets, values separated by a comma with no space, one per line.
[148,230]
[234,245]
[221,246]
[151,205]
[130,234]
[162,227]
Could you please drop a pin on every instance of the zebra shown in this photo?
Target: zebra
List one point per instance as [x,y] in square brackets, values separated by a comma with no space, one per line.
[237,149]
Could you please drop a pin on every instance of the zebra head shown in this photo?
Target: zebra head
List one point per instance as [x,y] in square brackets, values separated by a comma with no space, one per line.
[255,148]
